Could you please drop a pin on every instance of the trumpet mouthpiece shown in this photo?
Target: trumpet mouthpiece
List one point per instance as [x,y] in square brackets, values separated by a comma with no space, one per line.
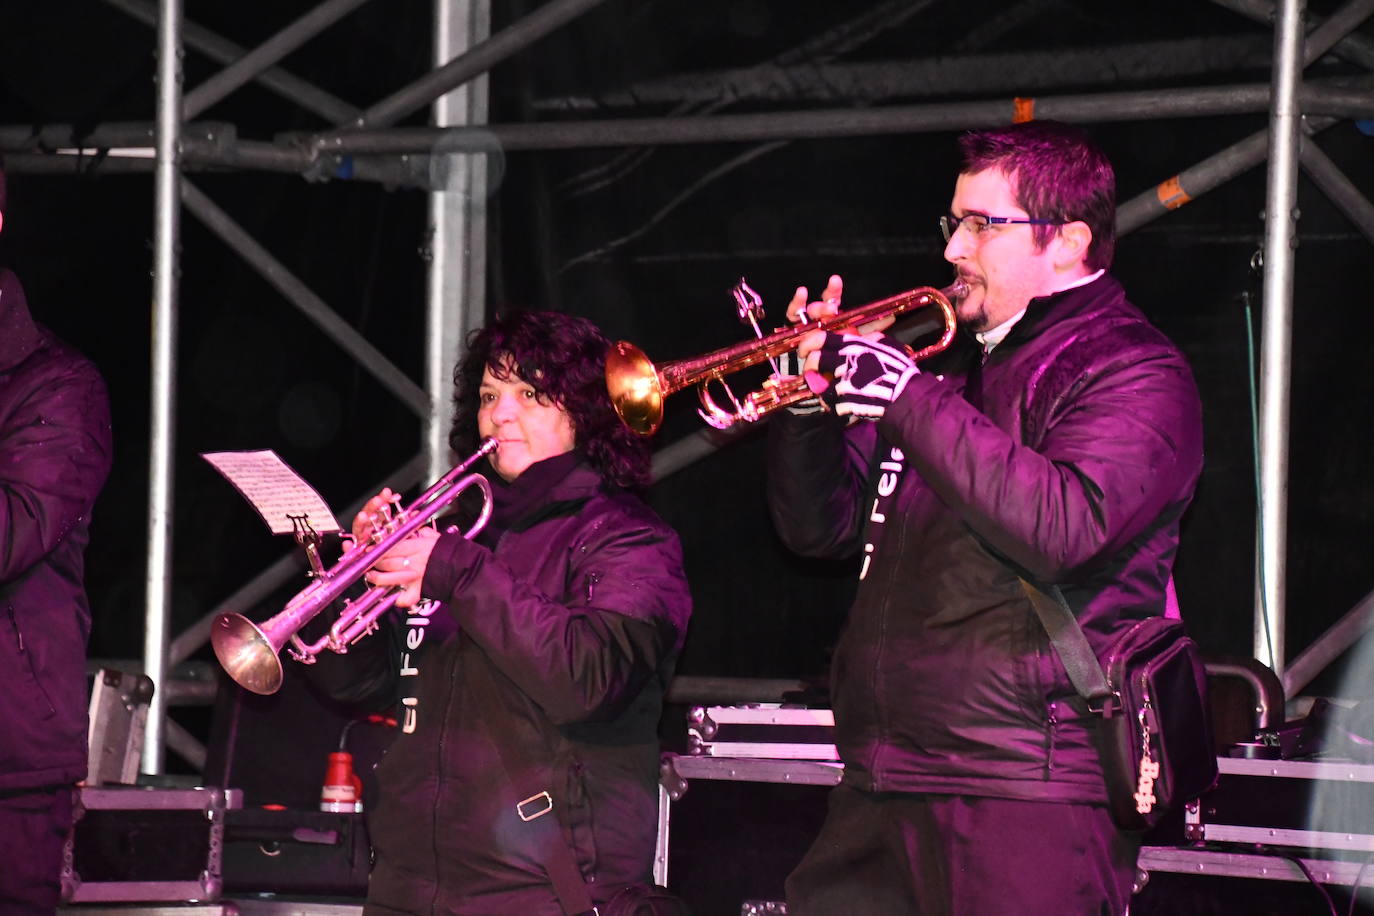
[956,290]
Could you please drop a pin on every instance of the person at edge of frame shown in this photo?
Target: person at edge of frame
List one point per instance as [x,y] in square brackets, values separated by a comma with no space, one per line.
[571,604]
[1058,439]
[55,454]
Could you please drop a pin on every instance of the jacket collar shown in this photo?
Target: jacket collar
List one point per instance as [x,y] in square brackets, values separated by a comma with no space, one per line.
[1046,310]
[555,486]
[19,336]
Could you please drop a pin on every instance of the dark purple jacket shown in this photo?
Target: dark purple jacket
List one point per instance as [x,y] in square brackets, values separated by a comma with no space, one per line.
[572,622]
[1075,472]
[54,457]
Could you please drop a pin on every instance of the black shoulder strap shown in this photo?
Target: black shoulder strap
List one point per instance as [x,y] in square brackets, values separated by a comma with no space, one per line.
[1081,664]
[537,809]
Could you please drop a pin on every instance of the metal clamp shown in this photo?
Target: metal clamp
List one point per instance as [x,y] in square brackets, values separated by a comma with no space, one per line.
[537,798]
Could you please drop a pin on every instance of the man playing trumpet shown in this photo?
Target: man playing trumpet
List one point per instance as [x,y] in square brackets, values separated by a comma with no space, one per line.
[531,667]
[1058,439]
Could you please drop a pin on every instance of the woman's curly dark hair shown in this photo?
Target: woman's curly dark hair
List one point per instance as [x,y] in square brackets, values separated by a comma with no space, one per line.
[563,358]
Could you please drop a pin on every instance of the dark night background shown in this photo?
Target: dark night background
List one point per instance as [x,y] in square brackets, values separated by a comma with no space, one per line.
[253,373]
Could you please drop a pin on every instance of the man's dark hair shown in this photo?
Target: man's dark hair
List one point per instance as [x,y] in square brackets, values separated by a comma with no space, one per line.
[563,358]
[1057,173]
[2,183]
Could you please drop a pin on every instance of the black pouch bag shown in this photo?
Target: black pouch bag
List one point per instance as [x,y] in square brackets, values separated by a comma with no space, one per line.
[1156,734]
[1156,723]
[644,900]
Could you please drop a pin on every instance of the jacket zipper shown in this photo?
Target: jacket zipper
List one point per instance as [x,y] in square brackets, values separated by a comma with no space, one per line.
[14,625]
[1051,737]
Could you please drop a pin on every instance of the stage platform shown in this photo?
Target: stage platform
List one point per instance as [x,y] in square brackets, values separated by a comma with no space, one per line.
[732,828]
[246,906]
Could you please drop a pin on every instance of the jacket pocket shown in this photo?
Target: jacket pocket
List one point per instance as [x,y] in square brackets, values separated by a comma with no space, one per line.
[30,689]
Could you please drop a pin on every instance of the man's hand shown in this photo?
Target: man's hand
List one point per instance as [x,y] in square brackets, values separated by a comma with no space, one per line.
[869,373]
[799,310]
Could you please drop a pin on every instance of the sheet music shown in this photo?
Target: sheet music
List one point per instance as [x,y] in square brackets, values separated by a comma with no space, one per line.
[276,491]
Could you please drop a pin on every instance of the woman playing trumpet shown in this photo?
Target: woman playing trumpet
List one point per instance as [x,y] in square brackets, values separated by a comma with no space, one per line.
[532,659]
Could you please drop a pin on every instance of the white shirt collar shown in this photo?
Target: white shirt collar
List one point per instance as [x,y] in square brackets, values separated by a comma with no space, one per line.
[993,336]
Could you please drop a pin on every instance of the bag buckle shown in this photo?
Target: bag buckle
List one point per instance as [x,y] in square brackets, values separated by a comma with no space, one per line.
[539,804]
[1107,706]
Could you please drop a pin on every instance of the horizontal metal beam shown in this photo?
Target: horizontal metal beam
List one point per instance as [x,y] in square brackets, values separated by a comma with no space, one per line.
[1145,105]
[114,134]
[963,75]
[422,172]
[217,144]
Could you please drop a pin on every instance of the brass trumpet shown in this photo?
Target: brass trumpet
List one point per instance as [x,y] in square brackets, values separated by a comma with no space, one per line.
[249,651]
[638,389]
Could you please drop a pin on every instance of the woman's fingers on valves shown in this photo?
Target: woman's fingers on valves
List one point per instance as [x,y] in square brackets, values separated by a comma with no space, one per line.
[375,514]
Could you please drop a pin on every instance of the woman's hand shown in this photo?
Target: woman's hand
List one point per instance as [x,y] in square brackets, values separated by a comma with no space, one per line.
[373,517]
[403,566]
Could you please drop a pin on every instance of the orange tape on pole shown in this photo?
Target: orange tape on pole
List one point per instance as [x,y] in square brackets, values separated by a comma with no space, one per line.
[1023,110]
[1171,194]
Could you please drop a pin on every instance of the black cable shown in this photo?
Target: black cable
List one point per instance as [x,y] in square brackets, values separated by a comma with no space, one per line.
[1252,382]
[1259,849]
[1302,866]
[1355,885]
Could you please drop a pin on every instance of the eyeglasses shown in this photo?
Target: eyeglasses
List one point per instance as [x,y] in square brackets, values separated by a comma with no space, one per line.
[978,223]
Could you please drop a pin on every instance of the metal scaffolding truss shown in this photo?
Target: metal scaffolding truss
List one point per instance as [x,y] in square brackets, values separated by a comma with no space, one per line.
[447,160]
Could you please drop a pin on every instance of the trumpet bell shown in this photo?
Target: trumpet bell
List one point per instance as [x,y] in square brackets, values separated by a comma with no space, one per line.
[635,387]
[246,653]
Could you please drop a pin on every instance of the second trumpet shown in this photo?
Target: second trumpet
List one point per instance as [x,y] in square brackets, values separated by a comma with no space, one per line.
[638,388]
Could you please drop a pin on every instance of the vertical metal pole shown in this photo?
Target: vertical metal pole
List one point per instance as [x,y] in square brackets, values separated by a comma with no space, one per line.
[665,821]
[1280,226]
[166,236]
[457,226]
